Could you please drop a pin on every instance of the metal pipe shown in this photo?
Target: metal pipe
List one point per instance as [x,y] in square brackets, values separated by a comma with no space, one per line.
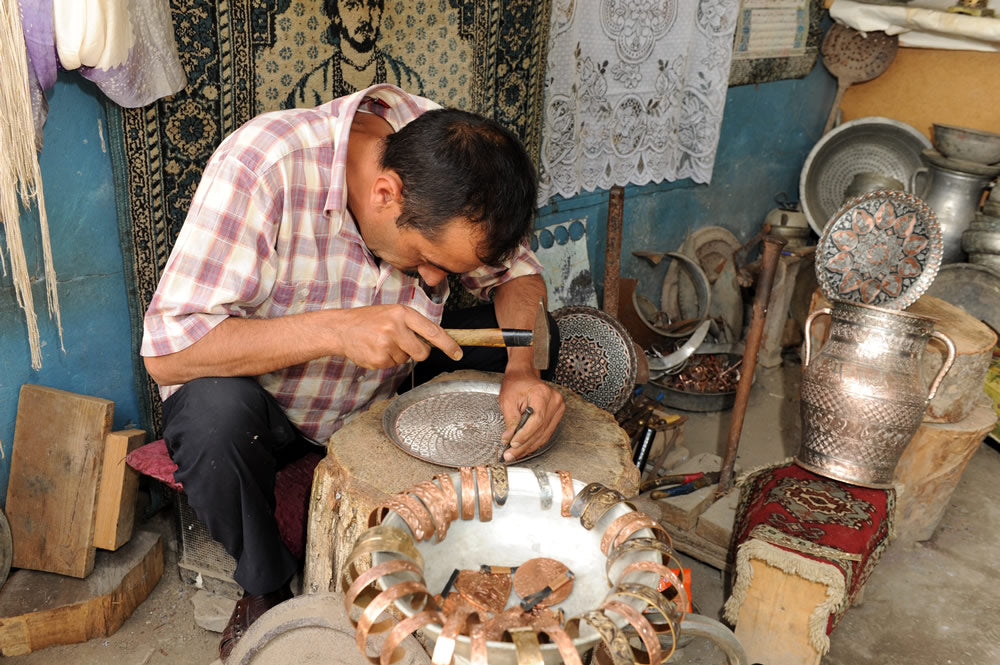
[769,265]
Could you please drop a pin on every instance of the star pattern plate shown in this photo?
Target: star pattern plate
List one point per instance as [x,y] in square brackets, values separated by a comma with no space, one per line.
[882,249]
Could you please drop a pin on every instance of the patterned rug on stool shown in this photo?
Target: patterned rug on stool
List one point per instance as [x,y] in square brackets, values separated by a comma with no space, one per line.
[816,528]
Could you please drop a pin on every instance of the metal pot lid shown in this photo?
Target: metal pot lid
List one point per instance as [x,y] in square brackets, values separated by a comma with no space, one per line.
[882,249]
[597,357]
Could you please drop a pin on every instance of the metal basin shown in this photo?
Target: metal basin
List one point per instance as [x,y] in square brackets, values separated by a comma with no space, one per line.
[974,145]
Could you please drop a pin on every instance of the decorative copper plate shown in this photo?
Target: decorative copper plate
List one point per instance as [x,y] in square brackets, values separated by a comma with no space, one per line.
[484,591]
[535,574]
[882,249]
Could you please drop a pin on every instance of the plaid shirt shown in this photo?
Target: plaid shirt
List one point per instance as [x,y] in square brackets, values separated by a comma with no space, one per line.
[269,234]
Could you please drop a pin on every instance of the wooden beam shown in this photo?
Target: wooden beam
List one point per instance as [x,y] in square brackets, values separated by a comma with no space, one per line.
[118,490]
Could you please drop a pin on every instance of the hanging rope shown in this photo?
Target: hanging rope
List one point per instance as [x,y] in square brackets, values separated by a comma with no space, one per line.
[21,178]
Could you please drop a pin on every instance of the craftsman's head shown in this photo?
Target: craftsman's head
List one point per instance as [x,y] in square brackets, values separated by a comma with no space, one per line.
[456,165]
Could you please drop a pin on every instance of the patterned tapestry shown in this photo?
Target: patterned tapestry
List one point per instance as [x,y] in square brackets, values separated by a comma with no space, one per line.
[634,92]
[243,58]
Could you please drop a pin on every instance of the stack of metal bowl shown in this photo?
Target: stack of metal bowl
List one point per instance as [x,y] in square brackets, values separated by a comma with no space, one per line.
[982,240]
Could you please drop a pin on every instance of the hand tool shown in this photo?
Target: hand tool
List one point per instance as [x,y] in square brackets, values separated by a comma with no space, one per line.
[537,337]
[681,484]
[524,418]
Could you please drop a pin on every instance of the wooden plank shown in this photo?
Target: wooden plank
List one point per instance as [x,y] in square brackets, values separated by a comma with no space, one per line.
[39,610]
[118,489]
[55,469]
[773,623]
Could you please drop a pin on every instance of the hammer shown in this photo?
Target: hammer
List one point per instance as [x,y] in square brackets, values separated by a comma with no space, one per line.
[537,337]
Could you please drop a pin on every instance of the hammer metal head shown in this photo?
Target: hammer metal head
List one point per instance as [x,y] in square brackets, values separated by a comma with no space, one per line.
[540,338]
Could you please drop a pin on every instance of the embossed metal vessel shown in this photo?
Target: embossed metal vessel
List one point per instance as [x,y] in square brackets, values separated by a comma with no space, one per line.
[862,398]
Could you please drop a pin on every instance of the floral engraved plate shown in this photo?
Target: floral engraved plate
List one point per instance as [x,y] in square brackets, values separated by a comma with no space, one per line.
[882,249]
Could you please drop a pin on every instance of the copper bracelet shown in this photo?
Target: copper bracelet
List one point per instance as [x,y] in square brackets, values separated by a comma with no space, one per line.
[434,500]
[613,638]
[379,605]
[485,495]
[413,512]
[567,650]
[649,595]
[599,505]
[454,625]
[468,477]
[583,497]
[383,538]
[658,532]
[526,646]
[641,625]
[478,652]
[634,545]
[451,496]
[404,629]
[681,600]
[515,617]
[566,483]
[616,527]
[366,578]
[544,488]
[499,483]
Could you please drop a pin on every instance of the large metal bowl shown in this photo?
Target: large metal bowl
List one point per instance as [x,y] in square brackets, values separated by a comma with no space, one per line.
[872,144]
[974,145]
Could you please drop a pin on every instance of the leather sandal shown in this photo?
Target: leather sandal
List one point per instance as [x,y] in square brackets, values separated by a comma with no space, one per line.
[248,609]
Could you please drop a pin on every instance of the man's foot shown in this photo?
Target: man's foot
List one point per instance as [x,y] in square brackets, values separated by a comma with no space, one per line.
[248,609]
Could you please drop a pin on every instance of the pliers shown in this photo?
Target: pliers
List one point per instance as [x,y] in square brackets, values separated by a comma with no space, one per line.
[678,484]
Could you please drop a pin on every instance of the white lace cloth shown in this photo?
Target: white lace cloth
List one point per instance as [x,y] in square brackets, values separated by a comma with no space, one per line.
[635,91]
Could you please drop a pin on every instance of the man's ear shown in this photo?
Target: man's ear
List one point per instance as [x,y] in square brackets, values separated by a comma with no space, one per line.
[387,191]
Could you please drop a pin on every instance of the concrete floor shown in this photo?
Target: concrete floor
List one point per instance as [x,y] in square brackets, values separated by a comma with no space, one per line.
[934,602]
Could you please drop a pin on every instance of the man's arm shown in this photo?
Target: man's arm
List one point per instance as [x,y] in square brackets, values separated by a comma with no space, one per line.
[516,302]
[378,336]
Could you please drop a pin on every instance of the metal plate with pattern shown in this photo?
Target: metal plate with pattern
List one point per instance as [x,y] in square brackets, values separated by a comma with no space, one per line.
[882,249]
[597,358]
[450,423]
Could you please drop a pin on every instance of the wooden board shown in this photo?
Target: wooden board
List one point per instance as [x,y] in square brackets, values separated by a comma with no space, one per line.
[39,610]
[773,623]
[118,489]
[55,469]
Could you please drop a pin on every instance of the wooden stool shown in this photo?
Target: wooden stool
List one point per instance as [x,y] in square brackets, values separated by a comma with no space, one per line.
[363,468]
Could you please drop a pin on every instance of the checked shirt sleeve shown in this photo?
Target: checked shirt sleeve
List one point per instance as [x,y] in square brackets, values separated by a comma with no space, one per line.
[482,281]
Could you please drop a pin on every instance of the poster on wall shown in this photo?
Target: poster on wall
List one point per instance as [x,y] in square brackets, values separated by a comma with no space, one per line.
[562,251]
[775,40]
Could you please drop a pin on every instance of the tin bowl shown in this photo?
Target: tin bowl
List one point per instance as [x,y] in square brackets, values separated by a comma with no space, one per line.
[974,145]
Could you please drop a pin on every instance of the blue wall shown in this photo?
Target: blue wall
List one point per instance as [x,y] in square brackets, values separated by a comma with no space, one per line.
[76,176]
[766,134]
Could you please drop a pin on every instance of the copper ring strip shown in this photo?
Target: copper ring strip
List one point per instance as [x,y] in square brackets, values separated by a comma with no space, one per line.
[404,629]
[434,500]
[567,650]
[616,527]
[384,539]
[413,512]
[681,601]
[632,546]
[372,574]
[650,596]
[477,645]
[379,605]
[658,532]
[544,488]
[485,496]
[444,646]
[468,492]
[642,626]
[448,487]
[566,482]
[499,483]
[598,507]
[583,497]
[500,623]
[614,639]
[526,646]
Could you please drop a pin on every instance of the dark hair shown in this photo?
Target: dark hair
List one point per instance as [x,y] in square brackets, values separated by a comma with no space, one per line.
[456,164]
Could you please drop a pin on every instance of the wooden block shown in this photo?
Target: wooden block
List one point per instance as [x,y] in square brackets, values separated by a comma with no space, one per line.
[716,524]
[773,623]
[696,547]
[39,610]
[55,470]
[118,489]
[683,511]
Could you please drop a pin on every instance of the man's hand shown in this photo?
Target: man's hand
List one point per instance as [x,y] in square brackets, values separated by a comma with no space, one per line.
[381,336]
[521,389]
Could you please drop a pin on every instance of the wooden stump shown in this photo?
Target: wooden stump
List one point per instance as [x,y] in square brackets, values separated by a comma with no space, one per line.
[931,467]
[363,468]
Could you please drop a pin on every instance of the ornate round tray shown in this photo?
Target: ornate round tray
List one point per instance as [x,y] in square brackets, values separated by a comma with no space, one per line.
[597,357]
[882,249]
[451,423]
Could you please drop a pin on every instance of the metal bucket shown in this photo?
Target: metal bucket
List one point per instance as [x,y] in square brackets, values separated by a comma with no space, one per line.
[862,398]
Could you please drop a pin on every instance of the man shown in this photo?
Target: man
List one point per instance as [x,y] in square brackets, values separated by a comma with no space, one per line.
[310,270]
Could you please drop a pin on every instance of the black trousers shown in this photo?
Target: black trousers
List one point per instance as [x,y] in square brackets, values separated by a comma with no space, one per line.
[229,437]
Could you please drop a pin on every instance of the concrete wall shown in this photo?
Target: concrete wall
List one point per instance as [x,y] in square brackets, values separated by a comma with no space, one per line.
[767,132]
[76,175]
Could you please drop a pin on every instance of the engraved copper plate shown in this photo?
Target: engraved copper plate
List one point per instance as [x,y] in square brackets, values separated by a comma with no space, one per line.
[485,591]
[882,249]
[597,358]
[535,574]
[450,423]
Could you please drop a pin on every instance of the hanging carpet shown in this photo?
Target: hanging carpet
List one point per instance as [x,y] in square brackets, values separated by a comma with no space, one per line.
[244,58]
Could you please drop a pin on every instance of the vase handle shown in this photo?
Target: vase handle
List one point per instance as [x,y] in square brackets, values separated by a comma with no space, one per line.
[807,344]
[948,361]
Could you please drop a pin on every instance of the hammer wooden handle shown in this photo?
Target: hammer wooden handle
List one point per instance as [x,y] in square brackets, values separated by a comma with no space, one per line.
[490,336]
